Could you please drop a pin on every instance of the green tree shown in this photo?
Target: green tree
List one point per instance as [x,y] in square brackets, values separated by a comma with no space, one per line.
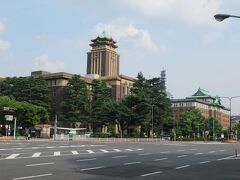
[75,107]
[217,126]
[30,89]
[191,122]
[102,106]
[27,114]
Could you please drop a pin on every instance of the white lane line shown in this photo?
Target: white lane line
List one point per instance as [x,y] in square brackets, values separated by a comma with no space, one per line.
[193,149]
[222,150]
[29,177]
[131,163]
[145,154]
[164,152]
[50,147]
[129,150]
[180,150]
[35,147]
[117,150]
[139,149]
[210,152]
[182,156]
[114,157]
[57,153]
[103,150]
[198,153]
[225,158]
[204,162]
[181,167]
[40,164]
[90,151]
[82,160]
[36,154]
[87,169]
[161,159]
[149,174]
[75,152]
[12,156]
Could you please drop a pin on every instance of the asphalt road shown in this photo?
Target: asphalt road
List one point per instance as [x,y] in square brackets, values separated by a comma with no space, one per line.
[94,160]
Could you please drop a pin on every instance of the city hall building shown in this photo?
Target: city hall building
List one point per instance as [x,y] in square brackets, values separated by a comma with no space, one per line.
[209,105]
[102,64]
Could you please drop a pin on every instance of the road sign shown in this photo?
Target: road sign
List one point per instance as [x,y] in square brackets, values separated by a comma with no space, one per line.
[9,117]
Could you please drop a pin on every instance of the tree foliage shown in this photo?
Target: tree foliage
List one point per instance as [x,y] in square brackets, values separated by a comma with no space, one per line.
[75,107]
[27,114]
[30,89]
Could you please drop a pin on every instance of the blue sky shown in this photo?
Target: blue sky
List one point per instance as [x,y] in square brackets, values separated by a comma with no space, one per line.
[180,36]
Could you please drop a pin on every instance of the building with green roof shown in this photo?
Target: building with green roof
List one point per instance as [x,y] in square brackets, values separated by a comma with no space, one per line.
[208,104]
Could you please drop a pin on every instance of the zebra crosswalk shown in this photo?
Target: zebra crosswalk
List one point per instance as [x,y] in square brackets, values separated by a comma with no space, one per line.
[63,153]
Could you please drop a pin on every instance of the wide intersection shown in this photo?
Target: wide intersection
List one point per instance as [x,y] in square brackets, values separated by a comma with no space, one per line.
[118,160]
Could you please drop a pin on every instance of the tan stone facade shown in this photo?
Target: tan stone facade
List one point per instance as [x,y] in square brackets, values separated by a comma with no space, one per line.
[206,104]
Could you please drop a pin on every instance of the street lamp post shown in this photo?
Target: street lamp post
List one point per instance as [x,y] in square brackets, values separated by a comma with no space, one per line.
[221,17]
[152,121]
[230,109]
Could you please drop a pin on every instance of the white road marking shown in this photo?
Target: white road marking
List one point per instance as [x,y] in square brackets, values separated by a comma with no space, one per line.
[161,159]
[36,154]
[149,174]
[139,149]
[145,154]
[225,158]
[204,162]
[50,147]
[82,160]
[87,169]
[40,164]
[29,177]
[114,157]
[117,150]
[210,152]
[193,149]
[35,147]
[129,150]
[180,150]
[131,163]
[198,153]
[75,152]
[103,150]
[12,156]
[164,152]
[90,151]
[57,153]
[222,150]
[181,167]
[182,156]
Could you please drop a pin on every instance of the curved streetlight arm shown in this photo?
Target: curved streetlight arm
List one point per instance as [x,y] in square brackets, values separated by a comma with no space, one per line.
[221,17]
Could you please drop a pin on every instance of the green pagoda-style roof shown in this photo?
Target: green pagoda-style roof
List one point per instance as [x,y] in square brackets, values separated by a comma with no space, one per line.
[104,35]
[203,94]
[103,39]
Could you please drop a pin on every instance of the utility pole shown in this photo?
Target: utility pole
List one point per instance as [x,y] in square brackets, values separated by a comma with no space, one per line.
[55,127]
[152,121]
[213,130]
[14,131]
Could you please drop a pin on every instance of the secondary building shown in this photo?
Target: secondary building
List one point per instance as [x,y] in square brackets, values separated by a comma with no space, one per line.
[209,106]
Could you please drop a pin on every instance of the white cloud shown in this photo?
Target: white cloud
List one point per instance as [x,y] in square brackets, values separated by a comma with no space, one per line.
[4,45]
[43,62]
[211,37]
[121,31]
[195,12]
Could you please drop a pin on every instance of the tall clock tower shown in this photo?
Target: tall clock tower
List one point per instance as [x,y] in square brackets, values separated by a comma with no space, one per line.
[103,59]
